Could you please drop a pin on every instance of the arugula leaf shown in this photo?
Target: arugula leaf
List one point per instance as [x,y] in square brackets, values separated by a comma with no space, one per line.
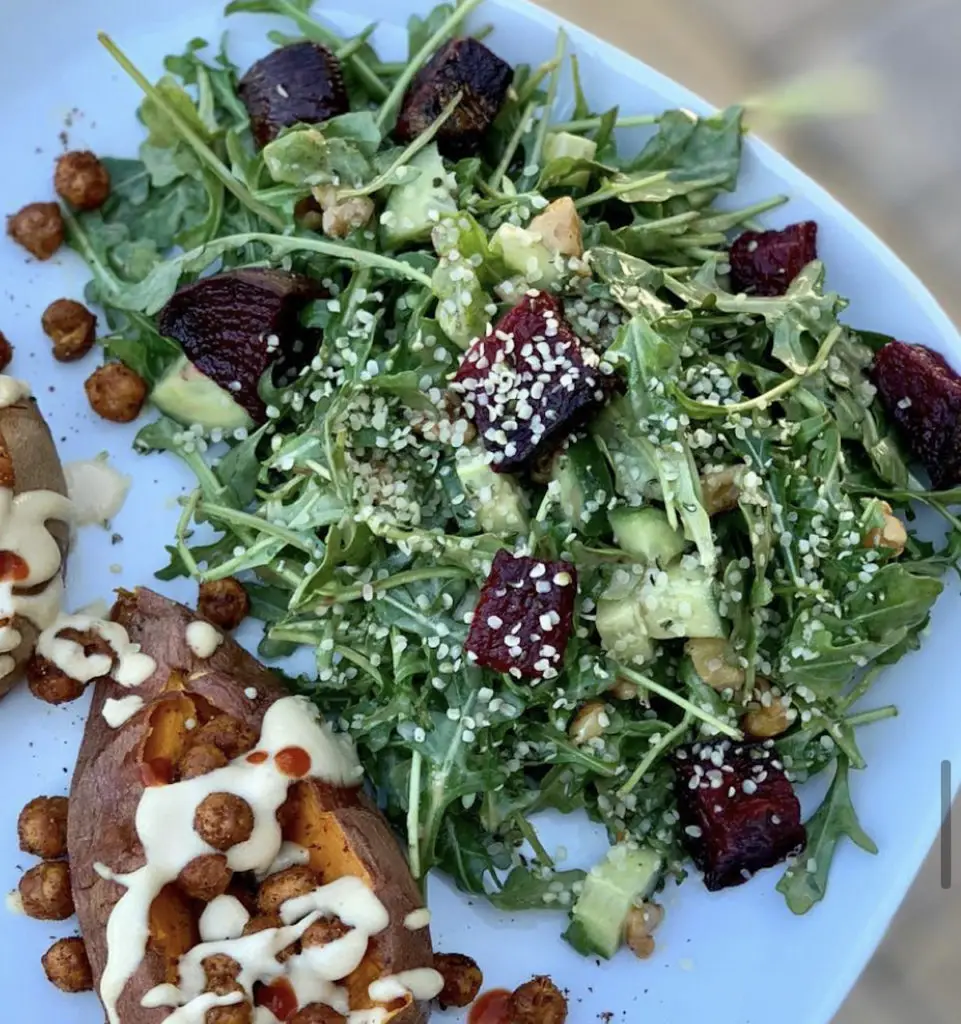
[805,883]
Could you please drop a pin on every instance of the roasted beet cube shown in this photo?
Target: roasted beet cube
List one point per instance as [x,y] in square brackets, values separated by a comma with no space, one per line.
[530,383]
[462,66]
[766,262]
[298,84]
[524,617]
[234,326]
[922,395]
[738,810]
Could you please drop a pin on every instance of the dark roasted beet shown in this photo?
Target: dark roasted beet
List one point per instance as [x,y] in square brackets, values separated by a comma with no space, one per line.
[922,394]
[738,810]
[524,617]
[766,262]
[463,65]
[530,383]
[298,84]
[233,326]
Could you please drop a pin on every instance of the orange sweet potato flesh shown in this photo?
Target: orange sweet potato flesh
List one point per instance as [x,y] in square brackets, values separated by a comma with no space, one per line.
[344,832]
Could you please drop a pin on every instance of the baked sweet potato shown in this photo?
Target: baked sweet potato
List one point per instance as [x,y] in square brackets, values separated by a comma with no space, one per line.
[28,463]
[223,701]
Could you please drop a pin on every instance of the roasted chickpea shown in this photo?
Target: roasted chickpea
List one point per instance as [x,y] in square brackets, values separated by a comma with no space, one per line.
[205,878]
[233,1013]
[462,979]
[201,759]
[715,663]
[224,603]
[116,393]
[49,684]
[222,971]
[642,922]
[317,1013]
[769,714]
[42,827]
[324,931]
[66,965]
[589,723]
[227,734]
[285,885]
[892,536]
[38,228]
[539,1001]
[720,489]
[264,921]
[222,820]
[45,891]
[82,180]
[71,327]
[6,352]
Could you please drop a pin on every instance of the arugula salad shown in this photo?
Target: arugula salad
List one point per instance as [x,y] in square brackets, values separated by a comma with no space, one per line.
[530,349]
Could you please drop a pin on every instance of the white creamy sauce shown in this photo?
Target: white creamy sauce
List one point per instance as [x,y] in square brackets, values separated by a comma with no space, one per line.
[164,823]
[223,918]
[96,489]
[417,920]
[251,693]
[119,711]
[12,391]
[203,639]
[132,668]
[422,983]
[290,856]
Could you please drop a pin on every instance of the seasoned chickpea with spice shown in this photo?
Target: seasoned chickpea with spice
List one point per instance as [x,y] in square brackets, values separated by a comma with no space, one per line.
[42,827]
[205,878]
[116,393]
[50,684]
[892,536]
[539,1001]
[224,603]
[71,327]
[82,180]
[227,734]
[221,972]
[66,965]
[769,714]
[715,663]
[261,922]
[285,885]
[6,352]
[223,820]
[38,228]
[45,891]
[317,1013]
[324,931]
[462,979]
[6,466]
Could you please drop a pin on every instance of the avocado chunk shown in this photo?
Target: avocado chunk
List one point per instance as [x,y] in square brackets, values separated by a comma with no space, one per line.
[680,602]
[525,254]
[586,486]
[499,502]
[413,209]
[627,876]
[559,145]
[189,396]
[646,533]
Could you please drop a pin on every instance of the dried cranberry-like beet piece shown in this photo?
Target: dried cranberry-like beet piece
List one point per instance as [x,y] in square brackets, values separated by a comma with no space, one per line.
[739,812]
[466,66]
[302,83]
[922,395]
[233,326]
[766,262]
[524,617]
[530,383]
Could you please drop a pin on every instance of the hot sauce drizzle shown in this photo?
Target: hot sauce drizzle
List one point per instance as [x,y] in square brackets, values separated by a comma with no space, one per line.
[491,1008]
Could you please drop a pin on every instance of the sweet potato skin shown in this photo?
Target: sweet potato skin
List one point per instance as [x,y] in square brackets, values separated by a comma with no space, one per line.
[108,783]
[30,462]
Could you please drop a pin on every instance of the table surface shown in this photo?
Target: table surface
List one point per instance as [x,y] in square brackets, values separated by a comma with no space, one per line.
[896,164]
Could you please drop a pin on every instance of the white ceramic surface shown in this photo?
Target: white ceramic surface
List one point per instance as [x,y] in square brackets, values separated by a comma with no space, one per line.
[735,958]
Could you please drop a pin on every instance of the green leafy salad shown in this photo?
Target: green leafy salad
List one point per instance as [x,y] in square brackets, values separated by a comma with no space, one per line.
[730,509]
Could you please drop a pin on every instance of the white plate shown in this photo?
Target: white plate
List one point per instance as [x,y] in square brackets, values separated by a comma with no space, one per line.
[735,958]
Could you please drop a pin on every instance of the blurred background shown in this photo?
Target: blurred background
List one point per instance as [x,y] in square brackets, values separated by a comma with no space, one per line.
[896,163]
